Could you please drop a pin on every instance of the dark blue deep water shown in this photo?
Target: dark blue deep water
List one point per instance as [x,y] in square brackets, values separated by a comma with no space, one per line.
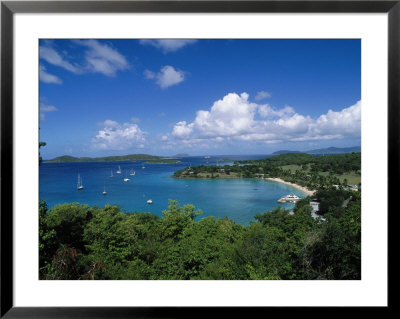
[238,199]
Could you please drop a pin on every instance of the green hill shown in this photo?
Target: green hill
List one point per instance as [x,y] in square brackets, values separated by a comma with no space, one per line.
[336,150]
[325,151]
[131,157]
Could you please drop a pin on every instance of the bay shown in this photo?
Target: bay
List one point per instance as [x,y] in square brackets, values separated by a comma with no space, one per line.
[238,199]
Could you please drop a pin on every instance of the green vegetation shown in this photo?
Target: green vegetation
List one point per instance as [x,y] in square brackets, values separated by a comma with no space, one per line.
[82,242]
[307,170]
[131,157]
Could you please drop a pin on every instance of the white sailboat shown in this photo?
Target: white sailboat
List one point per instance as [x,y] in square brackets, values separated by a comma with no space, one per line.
[111,174]
[119,170]
[149,201]
[132,173]
[126,179]
[104,191]
[80,184]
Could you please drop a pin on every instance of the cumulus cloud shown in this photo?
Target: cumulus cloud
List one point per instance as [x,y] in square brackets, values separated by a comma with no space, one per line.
[182,130]
[234,117]
[47,77]
[45,108]
[168,45]
[346,121]
[262,95]
[167,76]
[115,136]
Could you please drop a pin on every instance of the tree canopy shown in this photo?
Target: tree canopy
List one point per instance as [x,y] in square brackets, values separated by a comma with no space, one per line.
[82,242]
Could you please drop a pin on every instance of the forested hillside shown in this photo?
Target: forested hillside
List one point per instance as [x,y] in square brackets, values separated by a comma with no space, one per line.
[82,242]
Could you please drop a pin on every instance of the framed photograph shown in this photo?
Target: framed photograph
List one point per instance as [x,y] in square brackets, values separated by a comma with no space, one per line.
[164,155]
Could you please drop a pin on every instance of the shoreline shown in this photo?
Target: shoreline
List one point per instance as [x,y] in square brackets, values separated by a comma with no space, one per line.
[299,187]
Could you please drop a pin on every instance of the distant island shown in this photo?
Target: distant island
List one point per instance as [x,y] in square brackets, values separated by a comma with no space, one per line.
[181,155]
[324,151]
[131,157]
[163,161]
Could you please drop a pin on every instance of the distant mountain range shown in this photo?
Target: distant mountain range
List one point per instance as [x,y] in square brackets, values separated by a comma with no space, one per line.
[326,151]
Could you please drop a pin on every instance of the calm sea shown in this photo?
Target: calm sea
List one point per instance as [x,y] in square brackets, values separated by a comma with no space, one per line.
[238,199]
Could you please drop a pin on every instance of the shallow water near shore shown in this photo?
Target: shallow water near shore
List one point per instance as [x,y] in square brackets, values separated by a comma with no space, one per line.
[237,199]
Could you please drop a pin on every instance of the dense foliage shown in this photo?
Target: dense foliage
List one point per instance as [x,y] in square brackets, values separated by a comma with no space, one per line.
[306,170]
[81,242]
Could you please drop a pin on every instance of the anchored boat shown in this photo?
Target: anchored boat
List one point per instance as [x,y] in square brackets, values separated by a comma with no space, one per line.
[289,199]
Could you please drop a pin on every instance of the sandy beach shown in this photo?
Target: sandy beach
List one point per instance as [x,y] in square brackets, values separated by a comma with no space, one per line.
[302,188]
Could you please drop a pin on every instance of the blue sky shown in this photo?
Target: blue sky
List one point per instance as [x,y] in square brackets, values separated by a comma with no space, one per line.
[201,97]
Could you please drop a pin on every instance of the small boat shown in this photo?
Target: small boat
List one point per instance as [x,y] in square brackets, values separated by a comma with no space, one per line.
[111,174]
[143,166]
[149,201]
[104,191]
[132,173]
[126,179]
[80,184]
[119,170]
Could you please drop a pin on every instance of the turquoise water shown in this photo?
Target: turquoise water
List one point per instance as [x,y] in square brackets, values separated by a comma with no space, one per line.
[238,199]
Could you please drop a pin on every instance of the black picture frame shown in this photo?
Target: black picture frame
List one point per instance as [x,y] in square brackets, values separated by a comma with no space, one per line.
[9,8]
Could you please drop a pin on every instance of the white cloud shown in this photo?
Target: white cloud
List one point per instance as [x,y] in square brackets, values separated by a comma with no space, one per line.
[45,108]
[266,110]
[182,130]
[47,77]
[234,118]
[233,115]
[101,58]
[348,120]
[262,95]
[115,136]
[167,76]
[53,57]
[168,45]
[98,58]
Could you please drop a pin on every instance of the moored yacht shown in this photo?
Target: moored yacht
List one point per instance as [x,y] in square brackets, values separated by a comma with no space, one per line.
[126,179]
[291,198]
[104,191]
[80,184]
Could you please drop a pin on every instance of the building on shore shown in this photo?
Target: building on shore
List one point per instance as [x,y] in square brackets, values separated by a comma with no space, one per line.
[315,210]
